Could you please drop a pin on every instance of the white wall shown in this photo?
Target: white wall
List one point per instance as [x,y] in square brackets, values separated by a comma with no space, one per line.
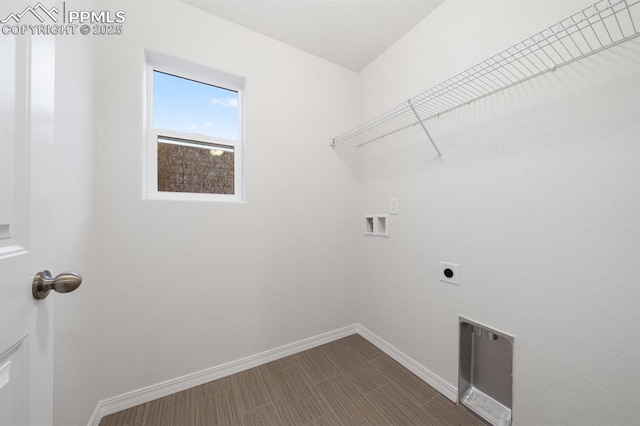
[536,198]
[184,286]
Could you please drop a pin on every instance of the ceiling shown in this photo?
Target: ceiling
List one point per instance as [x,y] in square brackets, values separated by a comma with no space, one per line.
[351,33]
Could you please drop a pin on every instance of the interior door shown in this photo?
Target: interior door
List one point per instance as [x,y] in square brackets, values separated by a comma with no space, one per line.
[26,150]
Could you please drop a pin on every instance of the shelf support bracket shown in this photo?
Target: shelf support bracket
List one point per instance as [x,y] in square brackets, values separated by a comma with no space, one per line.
[424,128]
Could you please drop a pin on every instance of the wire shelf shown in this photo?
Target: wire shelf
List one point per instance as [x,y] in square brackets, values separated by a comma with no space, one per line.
[593,29]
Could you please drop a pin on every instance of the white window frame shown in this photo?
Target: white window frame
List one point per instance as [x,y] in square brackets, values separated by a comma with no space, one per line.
[198,73]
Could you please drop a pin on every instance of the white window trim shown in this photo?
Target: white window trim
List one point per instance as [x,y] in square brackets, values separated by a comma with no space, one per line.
[179,68]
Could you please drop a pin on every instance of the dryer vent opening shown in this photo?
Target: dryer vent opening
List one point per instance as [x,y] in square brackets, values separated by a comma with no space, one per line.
[485,375]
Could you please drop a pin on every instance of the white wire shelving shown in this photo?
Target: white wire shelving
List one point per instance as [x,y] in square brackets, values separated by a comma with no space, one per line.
[591,30]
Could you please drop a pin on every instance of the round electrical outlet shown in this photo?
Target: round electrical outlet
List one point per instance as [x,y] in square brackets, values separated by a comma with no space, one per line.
[450,273]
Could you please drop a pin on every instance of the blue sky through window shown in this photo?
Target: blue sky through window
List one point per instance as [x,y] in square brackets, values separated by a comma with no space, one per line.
[188,106]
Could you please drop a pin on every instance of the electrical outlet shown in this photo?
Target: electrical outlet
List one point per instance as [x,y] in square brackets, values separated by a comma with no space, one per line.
[450,273]
[394,207]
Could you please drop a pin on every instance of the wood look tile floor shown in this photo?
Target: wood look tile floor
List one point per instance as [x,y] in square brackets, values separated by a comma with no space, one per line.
[346,382]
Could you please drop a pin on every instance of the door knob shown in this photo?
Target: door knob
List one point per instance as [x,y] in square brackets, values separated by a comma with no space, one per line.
[43,282]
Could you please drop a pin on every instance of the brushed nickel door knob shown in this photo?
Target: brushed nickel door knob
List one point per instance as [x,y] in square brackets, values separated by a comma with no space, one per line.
[43,282]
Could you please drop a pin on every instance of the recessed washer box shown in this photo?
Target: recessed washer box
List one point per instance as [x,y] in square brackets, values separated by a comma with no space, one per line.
[376,225]
[381,225]
[369,221]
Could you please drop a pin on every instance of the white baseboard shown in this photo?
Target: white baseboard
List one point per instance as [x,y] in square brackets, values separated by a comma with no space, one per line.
[153,392]
[445,388]
[150,393]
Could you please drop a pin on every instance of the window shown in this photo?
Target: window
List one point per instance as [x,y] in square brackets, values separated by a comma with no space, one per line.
[195,132]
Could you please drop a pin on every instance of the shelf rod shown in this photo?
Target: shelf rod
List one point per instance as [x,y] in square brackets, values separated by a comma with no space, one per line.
[424,128]
[601,26]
